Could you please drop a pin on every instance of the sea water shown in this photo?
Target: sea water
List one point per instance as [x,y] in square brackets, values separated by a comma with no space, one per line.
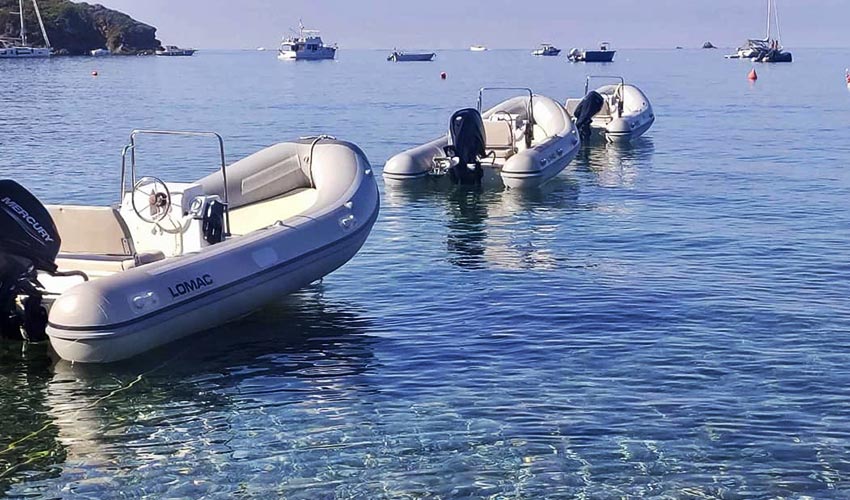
[665,319]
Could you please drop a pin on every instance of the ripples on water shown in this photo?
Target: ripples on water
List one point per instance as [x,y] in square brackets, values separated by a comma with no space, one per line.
[667,319]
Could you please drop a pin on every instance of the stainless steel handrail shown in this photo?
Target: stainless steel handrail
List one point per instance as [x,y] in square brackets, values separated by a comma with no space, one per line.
[530,108]
[132,149]
[621,90]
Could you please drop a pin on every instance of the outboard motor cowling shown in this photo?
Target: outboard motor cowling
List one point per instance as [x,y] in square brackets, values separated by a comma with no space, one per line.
[29,242]
[467,143]
[586,110]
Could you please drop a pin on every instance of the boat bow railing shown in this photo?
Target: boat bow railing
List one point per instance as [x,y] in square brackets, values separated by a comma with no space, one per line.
[131,149]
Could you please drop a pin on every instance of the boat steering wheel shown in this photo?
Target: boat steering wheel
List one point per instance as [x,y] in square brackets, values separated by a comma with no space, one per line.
[151,199]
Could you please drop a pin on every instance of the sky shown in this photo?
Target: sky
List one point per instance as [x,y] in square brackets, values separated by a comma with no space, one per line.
[447,24]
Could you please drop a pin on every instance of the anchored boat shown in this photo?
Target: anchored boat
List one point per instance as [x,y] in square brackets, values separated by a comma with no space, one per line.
[398,56]
[171,259]
[622,112]
[768,49]
[307,45]
[173,50]
[604,54]
[10,49]
[525,140]
[546,49]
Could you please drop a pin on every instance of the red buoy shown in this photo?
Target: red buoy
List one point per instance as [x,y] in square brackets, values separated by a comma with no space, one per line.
[752,76]
[847,76]
[443,75]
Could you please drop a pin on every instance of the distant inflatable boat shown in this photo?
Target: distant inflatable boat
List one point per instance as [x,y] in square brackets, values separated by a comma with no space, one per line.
[622,112]
[526,141]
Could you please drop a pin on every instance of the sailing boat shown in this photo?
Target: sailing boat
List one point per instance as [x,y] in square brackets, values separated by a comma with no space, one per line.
[768,49]
[13,50]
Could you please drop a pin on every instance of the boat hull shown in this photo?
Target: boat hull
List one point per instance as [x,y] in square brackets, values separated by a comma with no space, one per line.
[325,54]
[412,57]
[24,53]
[224,305]
[595,56]
[177,53]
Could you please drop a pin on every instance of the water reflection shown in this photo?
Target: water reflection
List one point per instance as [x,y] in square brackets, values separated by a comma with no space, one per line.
[29,449]
[490,225]
[124,422]
[616,164]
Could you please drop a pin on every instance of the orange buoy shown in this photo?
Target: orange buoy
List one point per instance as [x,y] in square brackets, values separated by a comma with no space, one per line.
[753,76]
[94,73]
[443,75]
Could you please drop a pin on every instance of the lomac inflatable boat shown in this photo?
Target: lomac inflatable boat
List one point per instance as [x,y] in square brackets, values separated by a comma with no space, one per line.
[525,140]
[171,259]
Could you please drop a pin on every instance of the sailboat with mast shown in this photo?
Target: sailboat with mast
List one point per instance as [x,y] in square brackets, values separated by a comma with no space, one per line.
[20,49]
[768,49]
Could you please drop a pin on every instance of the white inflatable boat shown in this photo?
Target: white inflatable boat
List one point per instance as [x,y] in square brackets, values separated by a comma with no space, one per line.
[176,258]
[526,140]
[622,112]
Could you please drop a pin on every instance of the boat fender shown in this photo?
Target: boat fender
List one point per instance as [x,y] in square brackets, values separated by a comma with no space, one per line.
[213,222]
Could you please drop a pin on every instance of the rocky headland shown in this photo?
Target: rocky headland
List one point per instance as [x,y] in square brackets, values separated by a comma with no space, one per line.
[78,28]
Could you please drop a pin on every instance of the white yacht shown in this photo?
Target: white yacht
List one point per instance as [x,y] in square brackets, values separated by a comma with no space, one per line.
[11,49]
[308,45]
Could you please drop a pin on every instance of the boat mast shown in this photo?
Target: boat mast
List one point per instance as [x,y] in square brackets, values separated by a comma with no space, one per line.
[767,36]
[778,32]
[41,24]
[23,28]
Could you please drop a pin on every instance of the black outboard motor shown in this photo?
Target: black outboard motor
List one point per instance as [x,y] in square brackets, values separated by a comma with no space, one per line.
[586,110]
[29,242]
[467,144]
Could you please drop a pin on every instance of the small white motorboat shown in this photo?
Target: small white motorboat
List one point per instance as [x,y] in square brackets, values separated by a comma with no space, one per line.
[171,259]
[622,112]
[546,49]
[526,141]
[100,52]
[478,48]
[173,50]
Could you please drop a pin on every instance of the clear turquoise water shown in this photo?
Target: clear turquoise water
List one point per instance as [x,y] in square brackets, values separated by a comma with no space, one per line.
[666,320]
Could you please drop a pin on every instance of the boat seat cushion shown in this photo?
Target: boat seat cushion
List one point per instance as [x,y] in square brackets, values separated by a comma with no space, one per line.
[97,265]
[249,218]
[92,230]
[500,137]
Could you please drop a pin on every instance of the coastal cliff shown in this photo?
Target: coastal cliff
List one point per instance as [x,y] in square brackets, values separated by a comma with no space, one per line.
[78,28]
